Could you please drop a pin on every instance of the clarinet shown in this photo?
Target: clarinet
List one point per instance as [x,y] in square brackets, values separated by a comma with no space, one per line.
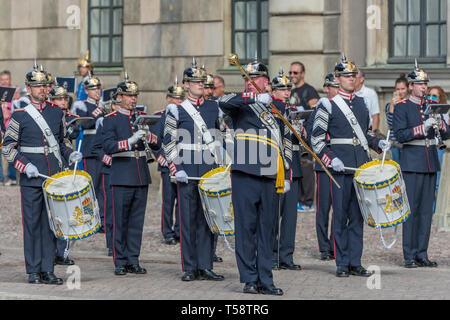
[441,144]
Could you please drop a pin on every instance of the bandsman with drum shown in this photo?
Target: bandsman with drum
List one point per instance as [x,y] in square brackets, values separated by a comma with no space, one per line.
[346,121]
[192,149]
[34,143]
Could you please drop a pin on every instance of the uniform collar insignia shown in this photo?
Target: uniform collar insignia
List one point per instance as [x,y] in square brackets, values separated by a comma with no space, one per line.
[346,95]
[37,105]
[195,101]
[92,101]
[415,100]
[125,112]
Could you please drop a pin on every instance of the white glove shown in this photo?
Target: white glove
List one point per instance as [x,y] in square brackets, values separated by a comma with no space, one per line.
[337,165]
[136,137]
[428,124]
[75,156]
[264,98]
[384,145]
[287,186]
[31,171]
[181,176]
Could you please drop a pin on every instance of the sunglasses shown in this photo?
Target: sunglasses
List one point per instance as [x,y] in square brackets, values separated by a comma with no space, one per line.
[294,72]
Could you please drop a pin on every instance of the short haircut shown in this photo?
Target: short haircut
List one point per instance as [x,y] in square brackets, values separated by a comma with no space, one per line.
[7,72]
[299,64]
[220,79]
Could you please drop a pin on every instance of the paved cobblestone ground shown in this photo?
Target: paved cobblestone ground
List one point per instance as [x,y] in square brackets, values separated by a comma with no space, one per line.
[162,282]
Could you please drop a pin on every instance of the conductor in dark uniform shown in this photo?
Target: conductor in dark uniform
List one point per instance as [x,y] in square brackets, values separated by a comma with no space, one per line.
[33,153]
[348,147]
[130,177]
[419,164]
[260,172]
[193,155]
[284,245]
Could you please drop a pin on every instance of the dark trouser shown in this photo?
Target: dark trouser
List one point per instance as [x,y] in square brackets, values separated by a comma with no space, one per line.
[169,197]
[288,225]
[255,205]
[196,239]
[129,205]
[105,203]
[306,186]
[38,239]
[347,223]
[323,206]
[420,188]
[61,246]
[93,166]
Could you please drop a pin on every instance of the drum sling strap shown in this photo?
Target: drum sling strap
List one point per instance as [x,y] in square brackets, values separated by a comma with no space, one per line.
[48,134]
[348,113]
[261,112]
[203,128]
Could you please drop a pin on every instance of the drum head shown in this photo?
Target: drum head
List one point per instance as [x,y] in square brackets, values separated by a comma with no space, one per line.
[220,182]
[66,187]
[373,175]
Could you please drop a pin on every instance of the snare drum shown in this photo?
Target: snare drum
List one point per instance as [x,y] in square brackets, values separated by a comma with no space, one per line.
[381,194]
[215,195]
[72,207]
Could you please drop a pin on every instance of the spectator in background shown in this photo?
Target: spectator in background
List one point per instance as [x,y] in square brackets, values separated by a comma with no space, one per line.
[302,94]
[219,87]
[400,93]
[6,107]
[306,96]
[371,99]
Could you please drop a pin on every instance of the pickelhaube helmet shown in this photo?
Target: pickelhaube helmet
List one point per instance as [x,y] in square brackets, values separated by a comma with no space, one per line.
[37,77]
[50,80]
[58,92]
[127,87]
[281,82]
[418,75]
[209,82]
[330,81]
[194,73]
[92,83]
[176,91]
[86,62]
[256,69]
[345,68]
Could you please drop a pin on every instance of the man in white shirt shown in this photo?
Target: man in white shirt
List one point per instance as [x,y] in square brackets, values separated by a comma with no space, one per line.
[370,98]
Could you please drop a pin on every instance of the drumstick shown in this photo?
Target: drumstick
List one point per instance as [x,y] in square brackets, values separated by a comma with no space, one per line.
[76,163]
[46,177]
[384,152]
[199,178]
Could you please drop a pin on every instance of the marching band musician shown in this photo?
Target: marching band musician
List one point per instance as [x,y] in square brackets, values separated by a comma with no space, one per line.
[195,155]
[209,87]
[34,144]
[60,97]
[255,184]
[419,164]
[91,108]
[323,182]
[85,68]
[104,197]
[170,229]
[130,177]
[281,91]
[346,120]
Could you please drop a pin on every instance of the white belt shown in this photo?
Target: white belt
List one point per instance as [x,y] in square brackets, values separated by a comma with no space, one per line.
[351,141]
[90,131]
[129,154]
[423,142]
[40,150]
[192,147]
